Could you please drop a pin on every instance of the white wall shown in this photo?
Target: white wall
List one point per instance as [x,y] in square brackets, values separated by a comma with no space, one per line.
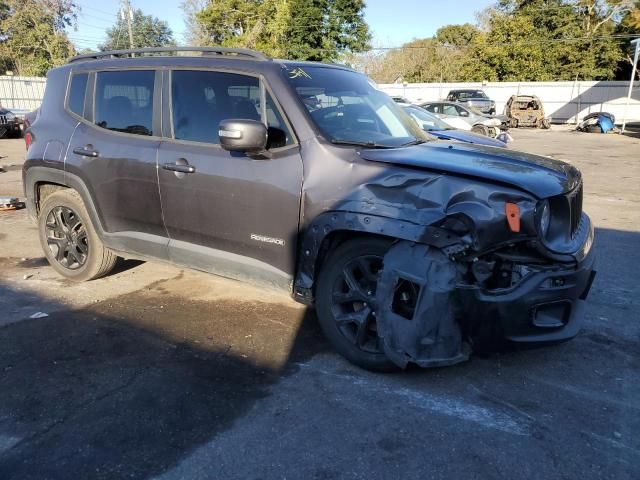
[562,100]
[21,92]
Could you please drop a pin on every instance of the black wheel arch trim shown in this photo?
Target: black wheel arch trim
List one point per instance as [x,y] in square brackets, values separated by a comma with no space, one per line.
[326,224]
[133,244]
[37,175]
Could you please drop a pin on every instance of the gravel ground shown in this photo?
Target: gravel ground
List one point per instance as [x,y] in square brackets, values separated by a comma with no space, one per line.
[159,372]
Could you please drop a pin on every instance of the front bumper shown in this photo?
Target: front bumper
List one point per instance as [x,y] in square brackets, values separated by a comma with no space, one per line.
[546,306]
[484,108]
[12,128]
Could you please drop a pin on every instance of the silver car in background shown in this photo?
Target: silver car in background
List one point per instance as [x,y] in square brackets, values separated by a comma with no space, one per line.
[479,123]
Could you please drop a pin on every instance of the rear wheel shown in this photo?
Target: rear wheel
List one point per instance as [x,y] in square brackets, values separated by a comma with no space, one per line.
[545,123]
[69,240]
[346,302]
[513,123]
[481,129]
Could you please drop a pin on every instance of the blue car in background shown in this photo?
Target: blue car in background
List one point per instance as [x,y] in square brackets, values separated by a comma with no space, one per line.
[441,130]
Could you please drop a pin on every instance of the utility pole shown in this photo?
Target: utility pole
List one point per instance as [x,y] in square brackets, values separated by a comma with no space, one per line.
[126,13]
[636,46]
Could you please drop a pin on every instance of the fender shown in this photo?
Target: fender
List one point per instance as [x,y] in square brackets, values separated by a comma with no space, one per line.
[325,224]
[142,245]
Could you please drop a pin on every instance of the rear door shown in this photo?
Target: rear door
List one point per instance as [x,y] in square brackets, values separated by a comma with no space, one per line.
[114,151]
[226,212]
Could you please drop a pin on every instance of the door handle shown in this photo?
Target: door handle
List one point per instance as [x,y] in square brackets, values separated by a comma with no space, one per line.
[174,167]
[86,152]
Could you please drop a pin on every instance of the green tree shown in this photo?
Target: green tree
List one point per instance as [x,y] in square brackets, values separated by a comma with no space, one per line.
[323,29]
[299,29]
[148,31]
[629,24]
[458,36]
[423,60]
[547,40]
[193,34]
[32,35]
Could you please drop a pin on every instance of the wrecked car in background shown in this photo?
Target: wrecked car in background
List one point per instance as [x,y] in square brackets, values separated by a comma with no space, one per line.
[598,122]
[411,250]
[526,111]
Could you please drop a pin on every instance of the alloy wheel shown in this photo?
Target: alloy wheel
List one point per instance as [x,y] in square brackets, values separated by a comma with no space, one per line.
[67,238]
[354,302]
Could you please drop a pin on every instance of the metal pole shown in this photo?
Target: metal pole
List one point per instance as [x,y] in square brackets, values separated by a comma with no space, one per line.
[127,12]
[579,107]
[633,77]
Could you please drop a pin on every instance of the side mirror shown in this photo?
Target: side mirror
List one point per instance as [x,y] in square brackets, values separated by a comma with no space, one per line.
[464,113]
[242,135]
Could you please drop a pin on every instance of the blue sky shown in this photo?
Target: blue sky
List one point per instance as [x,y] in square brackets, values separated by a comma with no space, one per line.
[393,22]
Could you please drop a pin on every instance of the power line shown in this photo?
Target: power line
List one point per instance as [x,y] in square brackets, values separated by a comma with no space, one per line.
[111,14]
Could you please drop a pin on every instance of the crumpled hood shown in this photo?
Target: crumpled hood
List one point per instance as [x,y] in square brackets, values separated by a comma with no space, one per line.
[540,176]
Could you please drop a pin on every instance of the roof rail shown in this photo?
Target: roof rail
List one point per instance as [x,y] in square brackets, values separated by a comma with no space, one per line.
[231,52]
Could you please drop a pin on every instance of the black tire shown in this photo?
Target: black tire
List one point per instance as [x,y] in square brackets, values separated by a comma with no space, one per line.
[513,123]
[331,280]
[545,124]
[480,129]
[69,240]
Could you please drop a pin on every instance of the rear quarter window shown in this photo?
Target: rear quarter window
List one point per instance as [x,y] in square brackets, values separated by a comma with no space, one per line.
[77,92]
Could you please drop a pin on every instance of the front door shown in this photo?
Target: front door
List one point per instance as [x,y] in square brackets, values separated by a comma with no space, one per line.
[226,212]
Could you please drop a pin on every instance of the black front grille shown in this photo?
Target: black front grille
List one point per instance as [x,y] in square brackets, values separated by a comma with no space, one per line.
[575,208]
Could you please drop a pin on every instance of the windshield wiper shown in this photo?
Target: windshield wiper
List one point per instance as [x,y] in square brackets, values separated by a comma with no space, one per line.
[359,144]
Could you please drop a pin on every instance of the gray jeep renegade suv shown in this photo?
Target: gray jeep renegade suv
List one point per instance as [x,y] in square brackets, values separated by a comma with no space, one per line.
[306,177]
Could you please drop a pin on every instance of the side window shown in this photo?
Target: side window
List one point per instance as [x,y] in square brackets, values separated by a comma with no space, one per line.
[201,100]
[76,93]
[449,110]
[432,108]
[124,101]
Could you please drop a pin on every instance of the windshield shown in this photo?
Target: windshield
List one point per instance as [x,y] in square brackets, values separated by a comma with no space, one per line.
[471,94]
[347,108]
[426,120]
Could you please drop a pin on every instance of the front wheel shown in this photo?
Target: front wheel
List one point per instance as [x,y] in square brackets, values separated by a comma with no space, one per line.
[69,240]
[346,302]
[481,129]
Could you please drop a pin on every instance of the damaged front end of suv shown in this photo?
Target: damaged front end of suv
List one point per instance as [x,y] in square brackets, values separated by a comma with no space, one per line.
[474,244]
[416,251]
[482,245]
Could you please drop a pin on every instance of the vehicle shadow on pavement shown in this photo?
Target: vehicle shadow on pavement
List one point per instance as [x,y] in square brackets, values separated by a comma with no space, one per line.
[128,388]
